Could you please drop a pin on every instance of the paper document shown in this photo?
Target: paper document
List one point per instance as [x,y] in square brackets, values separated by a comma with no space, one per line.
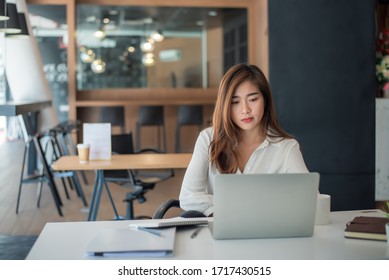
[132,242]
[98,136]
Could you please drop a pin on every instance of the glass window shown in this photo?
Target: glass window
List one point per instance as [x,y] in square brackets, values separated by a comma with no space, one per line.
[158,47]
[49,26]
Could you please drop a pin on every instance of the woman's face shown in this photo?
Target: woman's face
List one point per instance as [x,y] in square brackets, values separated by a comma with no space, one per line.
[247,106]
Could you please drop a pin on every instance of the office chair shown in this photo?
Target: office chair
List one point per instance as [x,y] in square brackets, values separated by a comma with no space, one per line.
[139,181]
[152,116]
[188,115]
[175,203]
[164,207]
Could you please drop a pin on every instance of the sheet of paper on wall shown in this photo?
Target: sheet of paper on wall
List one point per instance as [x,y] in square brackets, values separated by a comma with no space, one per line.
[98,136]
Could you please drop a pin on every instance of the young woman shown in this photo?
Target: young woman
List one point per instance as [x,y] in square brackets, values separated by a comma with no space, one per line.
[245,138]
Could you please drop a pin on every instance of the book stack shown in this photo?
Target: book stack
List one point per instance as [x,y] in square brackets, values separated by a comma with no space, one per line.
[362,227]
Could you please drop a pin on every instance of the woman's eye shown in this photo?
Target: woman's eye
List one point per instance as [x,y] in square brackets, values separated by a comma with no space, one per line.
[234,102]
[253,99]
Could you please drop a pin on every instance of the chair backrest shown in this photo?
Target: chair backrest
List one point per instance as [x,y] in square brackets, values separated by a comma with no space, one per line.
[122,143]
[190,115]
[151,115]
[113,115]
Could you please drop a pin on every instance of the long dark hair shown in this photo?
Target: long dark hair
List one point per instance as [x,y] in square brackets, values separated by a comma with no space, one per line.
[226,132]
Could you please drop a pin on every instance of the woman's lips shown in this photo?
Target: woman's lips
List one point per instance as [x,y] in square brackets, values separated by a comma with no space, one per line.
[247,120]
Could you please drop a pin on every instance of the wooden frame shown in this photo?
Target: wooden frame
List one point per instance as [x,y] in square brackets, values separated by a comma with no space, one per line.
[257,54]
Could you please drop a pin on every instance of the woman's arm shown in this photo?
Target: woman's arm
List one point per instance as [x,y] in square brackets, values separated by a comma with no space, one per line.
[194,190]
[294,160]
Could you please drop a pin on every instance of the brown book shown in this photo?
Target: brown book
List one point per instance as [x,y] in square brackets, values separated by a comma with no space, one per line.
[367,228]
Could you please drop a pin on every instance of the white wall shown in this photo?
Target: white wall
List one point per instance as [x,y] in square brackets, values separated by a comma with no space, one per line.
[24,70]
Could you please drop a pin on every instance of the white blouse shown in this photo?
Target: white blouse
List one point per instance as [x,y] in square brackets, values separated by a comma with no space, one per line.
[199,180]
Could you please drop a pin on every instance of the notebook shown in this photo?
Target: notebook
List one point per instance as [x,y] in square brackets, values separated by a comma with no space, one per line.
[264,205]
[131,242]
[171,222]
[365,227]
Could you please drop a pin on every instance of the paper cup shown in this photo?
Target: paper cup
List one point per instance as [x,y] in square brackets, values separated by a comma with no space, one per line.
[323,209]
[83,152]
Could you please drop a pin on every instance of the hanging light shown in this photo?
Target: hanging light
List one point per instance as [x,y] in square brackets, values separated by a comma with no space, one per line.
[148,59]
[100,34]
[157,36]
[11,26]
[23,27]
[147,46]
[98,66]
[3,14]
[87,55]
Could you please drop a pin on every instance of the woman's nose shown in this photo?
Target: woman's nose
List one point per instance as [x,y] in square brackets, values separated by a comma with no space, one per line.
[245,108]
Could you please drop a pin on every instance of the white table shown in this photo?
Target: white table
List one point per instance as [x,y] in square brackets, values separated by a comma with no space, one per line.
[68,240]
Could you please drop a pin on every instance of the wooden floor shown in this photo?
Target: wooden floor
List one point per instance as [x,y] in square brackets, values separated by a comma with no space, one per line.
[31,220]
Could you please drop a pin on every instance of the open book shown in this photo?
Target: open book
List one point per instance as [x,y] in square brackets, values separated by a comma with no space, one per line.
[367,228]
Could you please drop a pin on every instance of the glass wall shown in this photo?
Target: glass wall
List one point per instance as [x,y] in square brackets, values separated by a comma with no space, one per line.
[154,47]
[49,26]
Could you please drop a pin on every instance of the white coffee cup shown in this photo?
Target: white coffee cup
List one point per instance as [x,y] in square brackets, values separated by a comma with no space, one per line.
[83,152]
[323,209]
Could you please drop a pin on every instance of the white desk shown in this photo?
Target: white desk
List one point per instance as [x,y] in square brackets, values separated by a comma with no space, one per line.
[68,240]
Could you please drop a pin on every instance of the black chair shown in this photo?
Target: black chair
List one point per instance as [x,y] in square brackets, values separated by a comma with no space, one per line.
[50,145]
[166,206]
[175,203]
[138,181]
[188,115]
[115,116]
[151,116]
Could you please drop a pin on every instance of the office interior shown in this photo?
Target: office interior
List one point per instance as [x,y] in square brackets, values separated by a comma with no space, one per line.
[319,56]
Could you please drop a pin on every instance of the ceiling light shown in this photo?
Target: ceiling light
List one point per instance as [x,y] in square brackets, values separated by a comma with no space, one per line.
[157,36]
[87,55]
[147,46]
[11,26]
[131,49]
[3,14]
[23,27]
[148,59]
[98,66]
[100,34]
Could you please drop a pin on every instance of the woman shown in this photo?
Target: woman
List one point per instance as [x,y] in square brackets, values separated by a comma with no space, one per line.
[245,138]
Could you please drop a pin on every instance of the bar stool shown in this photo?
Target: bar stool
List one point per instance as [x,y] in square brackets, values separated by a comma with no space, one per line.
[45,175]
[115,116]
[51,138]
[152,116]
[188,115]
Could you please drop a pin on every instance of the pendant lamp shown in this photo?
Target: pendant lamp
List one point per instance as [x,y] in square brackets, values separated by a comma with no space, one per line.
[23,27]
[11,26]
[3,14]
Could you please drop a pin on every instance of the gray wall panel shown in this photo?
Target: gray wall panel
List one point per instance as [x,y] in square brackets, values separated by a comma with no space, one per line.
[322,73]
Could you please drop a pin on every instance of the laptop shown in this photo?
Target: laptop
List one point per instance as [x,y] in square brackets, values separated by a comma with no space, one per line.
[264,205]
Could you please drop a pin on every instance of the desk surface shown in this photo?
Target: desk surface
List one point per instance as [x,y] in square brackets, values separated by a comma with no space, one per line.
[133,161]
[68,240]
[22,107]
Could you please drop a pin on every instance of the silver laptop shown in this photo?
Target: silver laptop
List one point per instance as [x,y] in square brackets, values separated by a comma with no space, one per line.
[264,205]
